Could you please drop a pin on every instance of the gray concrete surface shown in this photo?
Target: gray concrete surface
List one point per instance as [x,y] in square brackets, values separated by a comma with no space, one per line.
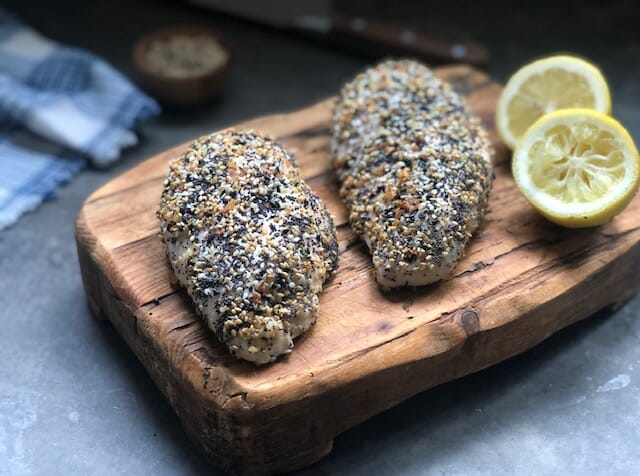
[75,401]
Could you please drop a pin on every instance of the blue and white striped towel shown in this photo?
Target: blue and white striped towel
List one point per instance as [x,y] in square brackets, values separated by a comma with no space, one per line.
[60,108]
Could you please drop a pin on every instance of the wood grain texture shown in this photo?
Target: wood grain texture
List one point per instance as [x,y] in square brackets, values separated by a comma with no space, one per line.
[522,280]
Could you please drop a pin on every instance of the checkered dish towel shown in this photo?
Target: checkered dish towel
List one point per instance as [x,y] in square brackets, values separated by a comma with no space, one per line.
[60,108]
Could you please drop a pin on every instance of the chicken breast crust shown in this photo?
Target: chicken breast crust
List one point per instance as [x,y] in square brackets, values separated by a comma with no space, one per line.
[415,168]
[248,240]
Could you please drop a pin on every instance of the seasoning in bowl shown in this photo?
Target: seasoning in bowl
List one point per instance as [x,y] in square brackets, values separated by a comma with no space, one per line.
[184,56]
[182,65]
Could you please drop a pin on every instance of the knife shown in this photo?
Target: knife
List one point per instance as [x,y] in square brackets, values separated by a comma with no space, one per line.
[373,37]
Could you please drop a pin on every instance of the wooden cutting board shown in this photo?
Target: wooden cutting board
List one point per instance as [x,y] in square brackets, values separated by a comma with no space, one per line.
[522,280]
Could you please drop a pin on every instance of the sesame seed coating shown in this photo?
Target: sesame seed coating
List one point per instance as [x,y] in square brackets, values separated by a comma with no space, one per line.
[415,170]
[248,240]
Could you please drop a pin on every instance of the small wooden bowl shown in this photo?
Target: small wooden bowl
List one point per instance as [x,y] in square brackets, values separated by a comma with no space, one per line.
[180,91]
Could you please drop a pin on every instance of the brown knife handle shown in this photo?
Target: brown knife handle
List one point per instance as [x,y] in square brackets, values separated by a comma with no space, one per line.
[382,38]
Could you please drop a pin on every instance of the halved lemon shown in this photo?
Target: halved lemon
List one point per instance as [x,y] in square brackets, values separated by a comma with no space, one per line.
[577,167]
[544,86]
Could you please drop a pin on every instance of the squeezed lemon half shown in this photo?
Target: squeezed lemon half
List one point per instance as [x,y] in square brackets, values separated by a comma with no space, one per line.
[546,85]
[577,167]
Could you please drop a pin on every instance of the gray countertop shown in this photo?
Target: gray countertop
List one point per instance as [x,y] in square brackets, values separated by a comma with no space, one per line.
[74,400]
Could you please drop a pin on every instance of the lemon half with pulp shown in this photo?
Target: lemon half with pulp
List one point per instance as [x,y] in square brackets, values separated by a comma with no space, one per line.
[544,86]
[577,167]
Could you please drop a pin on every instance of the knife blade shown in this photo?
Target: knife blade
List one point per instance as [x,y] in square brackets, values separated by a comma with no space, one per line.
[370,36]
